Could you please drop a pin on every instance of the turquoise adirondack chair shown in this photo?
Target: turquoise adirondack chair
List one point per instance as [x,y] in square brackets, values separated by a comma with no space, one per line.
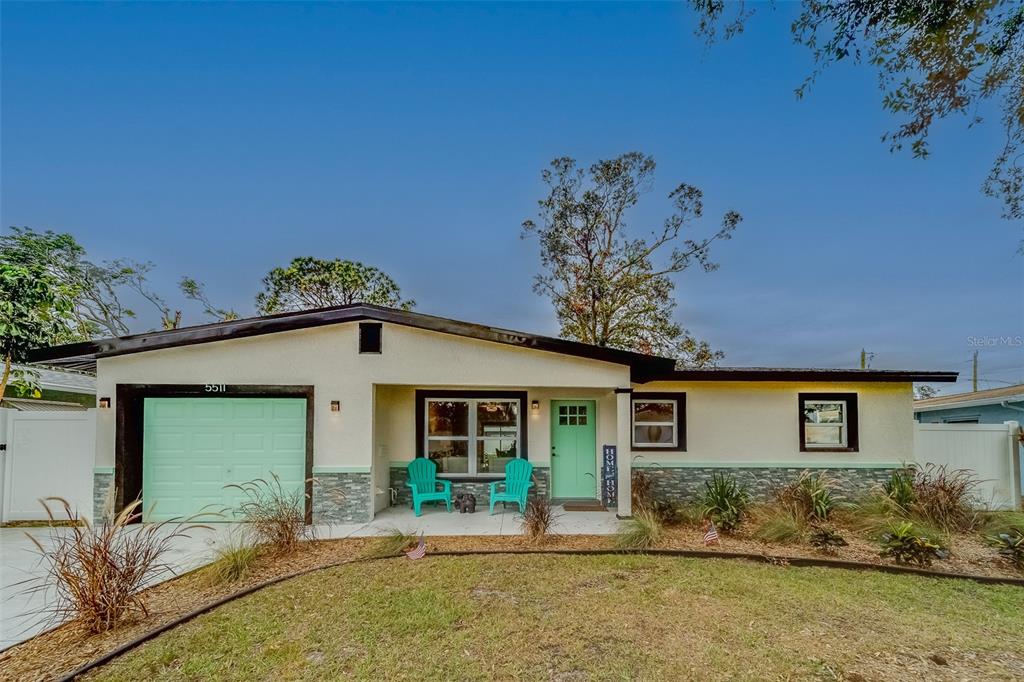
[518,479]
[423,481]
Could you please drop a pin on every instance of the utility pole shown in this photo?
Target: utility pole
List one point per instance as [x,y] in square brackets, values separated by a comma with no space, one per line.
[865,358]
[974,374]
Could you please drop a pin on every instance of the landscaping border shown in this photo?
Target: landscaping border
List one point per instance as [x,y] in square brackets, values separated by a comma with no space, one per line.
[772,559]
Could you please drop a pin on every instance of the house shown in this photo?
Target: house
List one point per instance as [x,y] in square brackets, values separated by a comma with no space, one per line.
[341,399]
[993,406]
[58,389]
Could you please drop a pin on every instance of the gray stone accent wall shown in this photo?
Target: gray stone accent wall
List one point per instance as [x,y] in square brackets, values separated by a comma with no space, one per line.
[686,484]
[479,489]
[102,488]
[342,497]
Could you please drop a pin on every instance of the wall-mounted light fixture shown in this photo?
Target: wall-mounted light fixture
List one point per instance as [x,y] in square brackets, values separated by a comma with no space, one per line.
[335,406]
[104,403]
[535,408]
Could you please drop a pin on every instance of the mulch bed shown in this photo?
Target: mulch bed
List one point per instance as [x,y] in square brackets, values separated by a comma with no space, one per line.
[69,646]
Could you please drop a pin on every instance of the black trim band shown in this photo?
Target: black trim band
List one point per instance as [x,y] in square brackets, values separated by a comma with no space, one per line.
[852,425]
[130,418]
[522,448]
[680,401]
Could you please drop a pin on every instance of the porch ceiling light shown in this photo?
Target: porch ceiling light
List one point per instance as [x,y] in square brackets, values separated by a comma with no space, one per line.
[104,403]
[335,406]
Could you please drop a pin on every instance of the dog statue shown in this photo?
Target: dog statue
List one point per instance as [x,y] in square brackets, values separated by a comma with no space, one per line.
[465,503]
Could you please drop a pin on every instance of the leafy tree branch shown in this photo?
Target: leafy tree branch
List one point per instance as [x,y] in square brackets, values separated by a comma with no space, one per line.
[610,289]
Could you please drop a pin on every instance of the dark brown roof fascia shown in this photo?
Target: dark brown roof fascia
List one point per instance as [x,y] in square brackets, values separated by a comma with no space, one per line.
[783,374]
[258,326]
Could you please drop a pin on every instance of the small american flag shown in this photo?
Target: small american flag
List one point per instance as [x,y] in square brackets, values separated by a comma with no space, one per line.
[419,551]
[711,535]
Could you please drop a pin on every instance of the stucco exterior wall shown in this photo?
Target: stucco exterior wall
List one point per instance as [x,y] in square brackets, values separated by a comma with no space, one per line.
[757,423]
[328,359]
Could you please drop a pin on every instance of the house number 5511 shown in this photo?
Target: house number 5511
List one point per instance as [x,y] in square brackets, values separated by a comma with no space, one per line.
[216,388]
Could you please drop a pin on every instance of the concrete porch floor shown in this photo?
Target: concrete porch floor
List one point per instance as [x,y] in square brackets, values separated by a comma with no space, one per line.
[437,521]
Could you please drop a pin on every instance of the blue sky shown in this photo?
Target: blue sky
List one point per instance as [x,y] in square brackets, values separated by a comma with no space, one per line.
[220,140]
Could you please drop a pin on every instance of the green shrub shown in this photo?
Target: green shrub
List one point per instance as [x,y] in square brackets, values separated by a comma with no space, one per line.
[812,496]
[233,559]
[690,514]
[778,525]
[1010,546]
[996,522]
[900,488]
[643,531]
[725,501]
[826,539]
[905,544]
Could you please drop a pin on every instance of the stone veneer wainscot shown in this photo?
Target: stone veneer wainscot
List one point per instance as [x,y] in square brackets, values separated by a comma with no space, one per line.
[686,484]
[342,496]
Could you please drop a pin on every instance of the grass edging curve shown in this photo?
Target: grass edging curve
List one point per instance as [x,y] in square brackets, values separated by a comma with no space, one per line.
[772,559]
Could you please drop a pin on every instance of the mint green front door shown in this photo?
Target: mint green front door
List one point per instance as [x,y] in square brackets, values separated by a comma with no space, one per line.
[573,449]
[193,447]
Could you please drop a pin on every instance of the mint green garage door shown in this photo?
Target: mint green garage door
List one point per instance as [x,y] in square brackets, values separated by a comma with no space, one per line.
[193,447]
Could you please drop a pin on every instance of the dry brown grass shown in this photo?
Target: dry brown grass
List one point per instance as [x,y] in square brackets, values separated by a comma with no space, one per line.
[97,573]
[944,498]
[538,517]
[274,516]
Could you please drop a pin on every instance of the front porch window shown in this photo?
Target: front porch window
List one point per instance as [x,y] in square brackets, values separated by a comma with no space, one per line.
[472,436]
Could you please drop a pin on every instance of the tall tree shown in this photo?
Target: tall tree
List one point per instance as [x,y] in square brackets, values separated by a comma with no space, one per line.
[317,283]
[96,289]
[935,59]
[609,289]
[34,308]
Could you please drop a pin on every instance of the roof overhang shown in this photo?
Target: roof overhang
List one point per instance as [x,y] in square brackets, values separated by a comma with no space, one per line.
[805,375]
[84,355]
[643,368]
[967,402]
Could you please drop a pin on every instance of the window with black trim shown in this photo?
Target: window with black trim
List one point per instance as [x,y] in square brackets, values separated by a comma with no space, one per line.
[658,421]
[828,422]
[369,337]
[471,433]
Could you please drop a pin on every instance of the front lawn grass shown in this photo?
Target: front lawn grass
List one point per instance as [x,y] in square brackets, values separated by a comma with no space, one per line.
[595,617]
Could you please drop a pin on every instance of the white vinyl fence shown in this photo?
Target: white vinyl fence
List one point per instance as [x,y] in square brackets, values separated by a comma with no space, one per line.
[992,451]
[47,454]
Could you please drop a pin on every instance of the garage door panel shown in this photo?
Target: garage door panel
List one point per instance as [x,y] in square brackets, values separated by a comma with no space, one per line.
[166,409]
[194,447]
[250,410]
[285,410]
[208,473]
[207,409]
[170,440]
[254,442]
[289,442]
[213,442]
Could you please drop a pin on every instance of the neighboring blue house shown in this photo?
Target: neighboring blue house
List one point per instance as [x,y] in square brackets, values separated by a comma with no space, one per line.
[993,406]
